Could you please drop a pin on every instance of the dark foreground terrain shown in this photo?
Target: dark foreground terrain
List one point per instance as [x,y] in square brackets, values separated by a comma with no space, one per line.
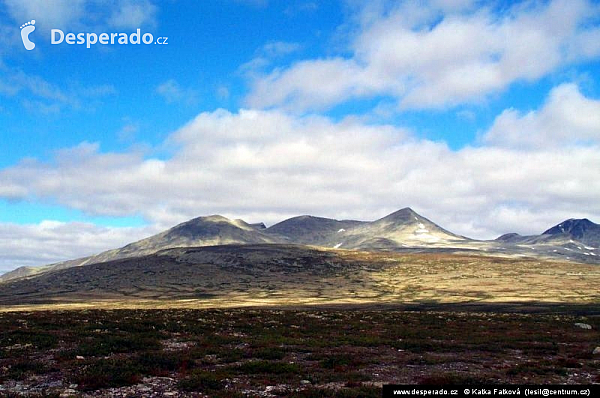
[297,353]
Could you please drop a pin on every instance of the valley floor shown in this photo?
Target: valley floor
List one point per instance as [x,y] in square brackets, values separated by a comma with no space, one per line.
[240,276]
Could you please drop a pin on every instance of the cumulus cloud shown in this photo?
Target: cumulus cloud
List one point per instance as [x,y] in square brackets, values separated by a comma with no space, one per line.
[436,54]
[567,118]
[51,241]
[266,165]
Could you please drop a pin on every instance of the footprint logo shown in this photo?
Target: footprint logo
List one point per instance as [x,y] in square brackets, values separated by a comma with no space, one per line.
[26,29]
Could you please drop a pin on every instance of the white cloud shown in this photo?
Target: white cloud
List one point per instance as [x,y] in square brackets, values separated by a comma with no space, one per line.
[34,85]
[313,85]
[76,14]
[41,107]
[129,130]
[222,92]
[567,118]
[268,165]
[48,14]
[265,56]
[47,97]
[437,54]
[51,241]
[172,91]
[467,115]
[133,14]
[275,49]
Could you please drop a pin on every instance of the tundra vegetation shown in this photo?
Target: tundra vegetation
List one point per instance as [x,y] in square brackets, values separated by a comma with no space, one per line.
[302,352]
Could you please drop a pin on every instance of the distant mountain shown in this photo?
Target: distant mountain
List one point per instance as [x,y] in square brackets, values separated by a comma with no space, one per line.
[258,225]
[403,228]
[575,240]
[511,238]
[582,230]
[310,230]
[569,232]
[202,231]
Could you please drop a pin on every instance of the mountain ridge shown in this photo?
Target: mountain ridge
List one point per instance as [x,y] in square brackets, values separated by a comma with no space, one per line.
[582,230]
[401,230]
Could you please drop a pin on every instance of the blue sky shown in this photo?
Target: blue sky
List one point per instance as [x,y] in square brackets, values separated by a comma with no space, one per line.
[483,116]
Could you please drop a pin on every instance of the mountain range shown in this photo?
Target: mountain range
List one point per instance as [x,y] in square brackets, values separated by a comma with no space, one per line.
[402,231]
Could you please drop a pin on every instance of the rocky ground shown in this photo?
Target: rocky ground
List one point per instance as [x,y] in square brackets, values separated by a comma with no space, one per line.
[285,352]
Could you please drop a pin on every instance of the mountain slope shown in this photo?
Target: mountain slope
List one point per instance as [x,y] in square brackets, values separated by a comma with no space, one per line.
[283,274]
[571,232]
[403,228]
[187,272]
[310,230]
[573,240]
[201,231]
[511,237]
[581,230]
